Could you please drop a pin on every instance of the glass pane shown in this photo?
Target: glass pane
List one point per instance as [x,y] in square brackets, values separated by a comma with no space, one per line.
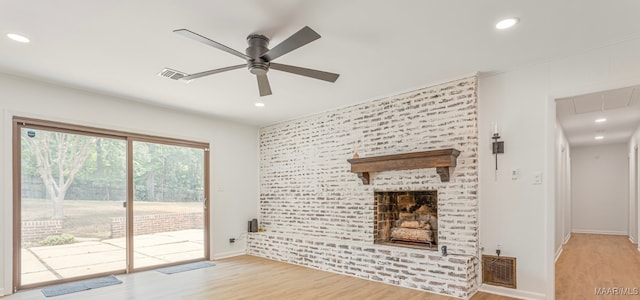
[73,188]
[168,204]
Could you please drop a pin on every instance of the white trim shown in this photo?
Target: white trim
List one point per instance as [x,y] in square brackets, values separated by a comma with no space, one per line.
[608,232]
[513,293]
[228,254]
[631,240]
[549,186]
[588,88]
[567,238]
[558,253]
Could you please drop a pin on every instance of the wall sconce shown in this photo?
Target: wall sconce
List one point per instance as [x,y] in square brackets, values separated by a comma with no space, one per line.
[497,146]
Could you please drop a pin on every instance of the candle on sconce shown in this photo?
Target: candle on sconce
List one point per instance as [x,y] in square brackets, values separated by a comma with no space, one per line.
[495,128]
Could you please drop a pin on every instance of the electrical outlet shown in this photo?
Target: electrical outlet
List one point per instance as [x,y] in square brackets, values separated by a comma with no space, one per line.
[232,240]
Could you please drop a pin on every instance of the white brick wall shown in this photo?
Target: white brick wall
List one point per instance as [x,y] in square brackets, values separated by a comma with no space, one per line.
[319,214]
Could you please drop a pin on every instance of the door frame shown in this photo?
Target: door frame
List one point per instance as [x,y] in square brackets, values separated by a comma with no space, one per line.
[20,122]
[636,195]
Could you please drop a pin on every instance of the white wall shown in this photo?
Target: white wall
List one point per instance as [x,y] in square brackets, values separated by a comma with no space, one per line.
[234,152]
[518,214]
[634,182]
[600,189]
[562,192]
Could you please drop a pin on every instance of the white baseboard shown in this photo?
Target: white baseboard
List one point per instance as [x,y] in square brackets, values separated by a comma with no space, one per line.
[609,232]
[567,238]
[518,294]
[632,241]
[558,253]
[227,254]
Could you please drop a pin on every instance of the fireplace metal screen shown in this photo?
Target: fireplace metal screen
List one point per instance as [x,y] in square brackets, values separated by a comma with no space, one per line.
[406,219]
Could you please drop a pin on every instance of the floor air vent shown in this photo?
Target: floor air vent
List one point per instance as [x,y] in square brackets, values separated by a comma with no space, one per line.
[499,270]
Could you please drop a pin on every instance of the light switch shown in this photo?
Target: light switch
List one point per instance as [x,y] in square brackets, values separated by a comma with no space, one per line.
[515,174]
[537,178]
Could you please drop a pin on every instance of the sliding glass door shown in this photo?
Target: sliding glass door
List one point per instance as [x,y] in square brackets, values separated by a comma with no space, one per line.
[72,190]
[168,204]
[89,202]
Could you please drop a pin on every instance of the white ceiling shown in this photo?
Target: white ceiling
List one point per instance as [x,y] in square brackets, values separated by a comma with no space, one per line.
[621,108]
[379,47]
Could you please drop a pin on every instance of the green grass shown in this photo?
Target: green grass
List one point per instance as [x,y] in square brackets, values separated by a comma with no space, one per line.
[92,219]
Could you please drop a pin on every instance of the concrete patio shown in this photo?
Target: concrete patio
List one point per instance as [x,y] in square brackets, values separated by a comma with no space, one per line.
[86,257]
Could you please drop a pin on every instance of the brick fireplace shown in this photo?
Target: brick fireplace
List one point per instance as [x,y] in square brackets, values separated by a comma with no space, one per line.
[319,214]
[406,219]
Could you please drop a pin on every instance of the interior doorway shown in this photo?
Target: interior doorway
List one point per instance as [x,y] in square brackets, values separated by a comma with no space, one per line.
[592,123]
[90,202]
[599,129]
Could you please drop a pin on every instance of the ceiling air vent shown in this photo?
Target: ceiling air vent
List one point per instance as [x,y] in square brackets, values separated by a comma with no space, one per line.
[499,270]
[172,74]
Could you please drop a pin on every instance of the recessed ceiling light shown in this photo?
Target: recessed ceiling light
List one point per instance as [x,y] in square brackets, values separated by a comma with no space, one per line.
[601,120]
[507,23]
[18,38]
[599,137]
[259,104]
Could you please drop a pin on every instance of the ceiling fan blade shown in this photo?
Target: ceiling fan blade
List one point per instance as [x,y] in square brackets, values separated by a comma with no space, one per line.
[263,85]
[302,37]
[211,72]
[194,36]
[326,76]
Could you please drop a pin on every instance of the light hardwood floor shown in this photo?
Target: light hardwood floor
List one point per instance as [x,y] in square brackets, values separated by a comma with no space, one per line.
[246,277]
[588,261]
[591,261]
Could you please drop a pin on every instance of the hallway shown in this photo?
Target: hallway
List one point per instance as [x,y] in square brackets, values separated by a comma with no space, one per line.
[591,261]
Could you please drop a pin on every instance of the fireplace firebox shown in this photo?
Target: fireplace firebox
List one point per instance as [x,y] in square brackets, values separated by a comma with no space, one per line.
[406,219]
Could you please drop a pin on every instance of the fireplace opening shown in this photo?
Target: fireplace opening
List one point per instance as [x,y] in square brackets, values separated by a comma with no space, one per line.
[406,219]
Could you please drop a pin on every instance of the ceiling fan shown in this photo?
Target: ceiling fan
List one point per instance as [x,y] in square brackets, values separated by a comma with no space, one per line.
[259,58]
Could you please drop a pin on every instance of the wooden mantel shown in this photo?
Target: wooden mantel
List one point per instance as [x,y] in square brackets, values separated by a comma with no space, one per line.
[442,160]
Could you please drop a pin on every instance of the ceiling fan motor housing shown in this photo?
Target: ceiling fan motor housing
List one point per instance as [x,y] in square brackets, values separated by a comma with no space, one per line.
[257,47]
